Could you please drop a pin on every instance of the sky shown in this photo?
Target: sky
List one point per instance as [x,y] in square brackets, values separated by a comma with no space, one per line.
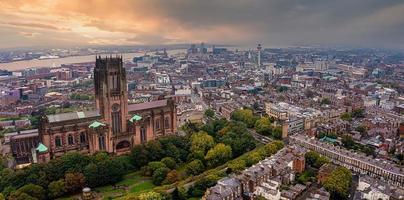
[362,23]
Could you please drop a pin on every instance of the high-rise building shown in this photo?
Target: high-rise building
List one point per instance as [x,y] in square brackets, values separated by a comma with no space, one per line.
[259,55]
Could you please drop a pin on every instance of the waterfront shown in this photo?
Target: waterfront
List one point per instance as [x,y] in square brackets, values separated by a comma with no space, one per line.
[57,62]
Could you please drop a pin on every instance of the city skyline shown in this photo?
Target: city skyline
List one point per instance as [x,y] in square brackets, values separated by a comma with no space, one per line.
[273,23]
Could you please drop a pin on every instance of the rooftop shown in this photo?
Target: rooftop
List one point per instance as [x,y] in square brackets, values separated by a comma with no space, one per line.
[147,105]
[72,116]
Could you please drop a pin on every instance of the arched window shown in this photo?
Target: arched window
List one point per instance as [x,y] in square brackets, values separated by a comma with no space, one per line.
[143,135]
[70,139]
[166,122]
[58,141]
[158,124]
[101,142]
[82,137]
[116,119]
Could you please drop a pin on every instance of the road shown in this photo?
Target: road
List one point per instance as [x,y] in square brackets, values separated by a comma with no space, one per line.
[261,138]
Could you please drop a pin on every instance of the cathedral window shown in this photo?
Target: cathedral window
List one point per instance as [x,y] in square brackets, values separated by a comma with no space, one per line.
[58,141]
[143,135]
[82,137]
[157,124]
[166,122]
[101,141]
[116,119]
[70,139]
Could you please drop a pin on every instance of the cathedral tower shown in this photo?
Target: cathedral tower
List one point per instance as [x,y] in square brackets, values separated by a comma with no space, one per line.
[111,98]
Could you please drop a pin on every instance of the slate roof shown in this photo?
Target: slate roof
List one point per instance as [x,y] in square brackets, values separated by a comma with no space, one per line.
[72,116]
[147,105]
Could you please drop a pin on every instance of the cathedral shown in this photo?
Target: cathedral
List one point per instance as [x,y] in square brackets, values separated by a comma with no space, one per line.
[114,126]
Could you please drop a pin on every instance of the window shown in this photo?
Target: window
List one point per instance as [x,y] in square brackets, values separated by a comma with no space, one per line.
[82,137]
[70,139]
[143,136]
[116,118]
[157,124]
[167,122]
[58,141]
[101,141]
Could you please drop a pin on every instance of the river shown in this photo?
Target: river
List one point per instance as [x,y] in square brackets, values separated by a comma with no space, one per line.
[57,62]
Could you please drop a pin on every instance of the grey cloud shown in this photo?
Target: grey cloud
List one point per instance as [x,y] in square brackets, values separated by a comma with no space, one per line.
[286,22]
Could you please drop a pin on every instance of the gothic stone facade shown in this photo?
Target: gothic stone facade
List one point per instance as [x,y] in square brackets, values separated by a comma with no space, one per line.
[114,126]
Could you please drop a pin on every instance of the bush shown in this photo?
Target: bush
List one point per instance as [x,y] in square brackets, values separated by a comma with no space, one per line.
[195,167]
[56,189]
[218,155]
[172,177]
[237,165]
[169,162]
[29,191]
[252,158]
[159,175]
[74,182]
[156,165]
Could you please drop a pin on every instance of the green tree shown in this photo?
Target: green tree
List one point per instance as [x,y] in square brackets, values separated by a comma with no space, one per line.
[253,158]
[156,165]
[209,113]
[270,149]
[338,183]
[172,177]
[159,175]
[195,167]
[246,116]
[321,160]
[263,126]
[145,196]
[17,195]
[2,163]
[218,155]
[180,193]
[237,165]
[139,156]
[57,189]
[277,133]
[169,162]
[204,183]
[311,157]
[348,142]
[358,113]
[32,190]
[201,142]
[346,117]
[2,197]
[74,182]
[361,129]
[325,101]
[239,142]
[8,190]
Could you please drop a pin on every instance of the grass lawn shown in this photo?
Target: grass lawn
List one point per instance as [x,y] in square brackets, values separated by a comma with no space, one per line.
[133,183]
[142,187]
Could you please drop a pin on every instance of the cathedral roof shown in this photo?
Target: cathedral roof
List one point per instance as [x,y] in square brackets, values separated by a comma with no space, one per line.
[147,105]
[72,116]
[135,118]
[96,124]
[42,148]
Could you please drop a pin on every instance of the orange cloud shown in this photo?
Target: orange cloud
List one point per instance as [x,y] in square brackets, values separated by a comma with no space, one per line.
[29,34]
